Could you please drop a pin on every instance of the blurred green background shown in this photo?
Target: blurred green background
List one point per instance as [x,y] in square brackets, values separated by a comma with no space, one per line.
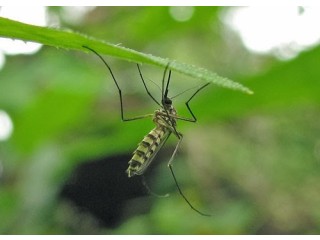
[250,161]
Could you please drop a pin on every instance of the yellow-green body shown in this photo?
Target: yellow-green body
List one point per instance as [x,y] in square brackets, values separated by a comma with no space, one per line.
[152,142]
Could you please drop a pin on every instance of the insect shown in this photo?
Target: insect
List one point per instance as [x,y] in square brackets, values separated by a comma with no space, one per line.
[165,119]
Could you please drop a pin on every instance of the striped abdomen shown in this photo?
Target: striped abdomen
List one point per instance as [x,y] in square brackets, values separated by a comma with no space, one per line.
[147,149]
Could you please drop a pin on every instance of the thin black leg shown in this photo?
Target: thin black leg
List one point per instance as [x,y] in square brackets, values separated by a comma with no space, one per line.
[145,86]
[175,179]
[119,90]
[194,119]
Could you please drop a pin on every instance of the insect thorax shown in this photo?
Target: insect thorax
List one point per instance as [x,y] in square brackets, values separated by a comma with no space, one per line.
[165,118]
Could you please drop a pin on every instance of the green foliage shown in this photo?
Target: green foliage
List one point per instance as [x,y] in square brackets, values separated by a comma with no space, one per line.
[251,160]
[75,41]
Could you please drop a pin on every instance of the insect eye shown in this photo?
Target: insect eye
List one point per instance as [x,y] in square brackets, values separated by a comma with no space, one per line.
[167,101]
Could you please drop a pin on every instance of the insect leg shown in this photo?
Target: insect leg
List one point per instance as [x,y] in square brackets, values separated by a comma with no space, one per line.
[145,86]
[175,179]
[119,90]
[193,119]
[144,182]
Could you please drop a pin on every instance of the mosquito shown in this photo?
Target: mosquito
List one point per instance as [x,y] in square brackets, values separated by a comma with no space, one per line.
[165,118]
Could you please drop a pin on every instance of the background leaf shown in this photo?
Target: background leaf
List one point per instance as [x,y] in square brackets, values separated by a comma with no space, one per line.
[71,40]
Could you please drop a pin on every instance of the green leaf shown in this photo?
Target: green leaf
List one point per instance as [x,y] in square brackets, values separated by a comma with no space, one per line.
[75,41]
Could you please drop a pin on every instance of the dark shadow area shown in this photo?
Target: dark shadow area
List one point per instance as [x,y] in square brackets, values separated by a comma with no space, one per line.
[101,187]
